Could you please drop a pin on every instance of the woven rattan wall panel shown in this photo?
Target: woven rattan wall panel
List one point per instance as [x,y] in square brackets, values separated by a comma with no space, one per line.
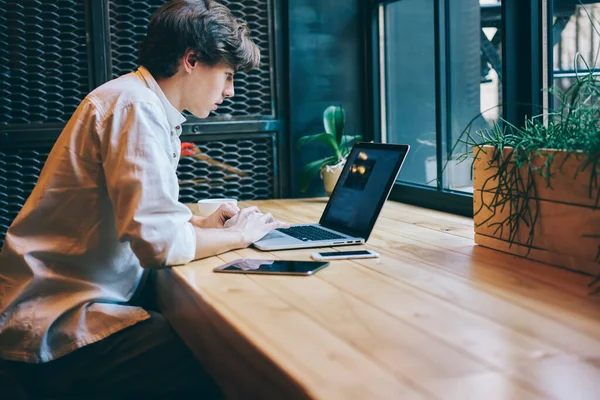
[243,169]
[19,171]
[253,97]
[43,60]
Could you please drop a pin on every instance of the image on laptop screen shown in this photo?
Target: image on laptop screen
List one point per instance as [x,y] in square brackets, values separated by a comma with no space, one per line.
[362,189]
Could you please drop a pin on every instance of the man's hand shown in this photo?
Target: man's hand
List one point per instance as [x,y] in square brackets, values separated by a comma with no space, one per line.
[218,218]
[241,230]
[253,225]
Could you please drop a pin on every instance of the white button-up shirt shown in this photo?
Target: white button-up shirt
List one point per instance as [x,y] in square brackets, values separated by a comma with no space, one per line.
[104,208]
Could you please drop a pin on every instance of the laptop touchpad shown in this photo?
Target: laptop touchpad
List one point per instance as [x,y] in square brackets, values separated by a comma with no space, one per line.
[273,235]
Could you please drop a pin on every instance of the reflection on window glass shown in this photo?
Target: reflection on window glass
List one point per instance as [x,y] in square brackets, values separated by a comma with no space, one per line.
[574,32]
[409,76]
[473,84]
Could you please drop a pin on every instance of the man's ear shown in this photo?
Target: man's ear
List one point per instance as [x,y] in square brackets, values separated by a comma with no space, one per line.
[189,60]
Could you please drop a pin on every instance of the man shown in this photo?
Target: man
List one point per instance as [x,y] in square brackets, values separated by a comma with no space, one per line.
[105,211]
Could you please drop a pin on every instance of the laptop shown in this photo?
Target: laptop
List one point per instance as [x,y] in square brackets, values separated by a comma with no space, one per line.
[355,203]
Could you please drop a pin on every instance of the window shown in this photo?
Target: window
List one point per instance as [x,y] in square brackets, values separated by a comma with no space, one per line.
[438,68]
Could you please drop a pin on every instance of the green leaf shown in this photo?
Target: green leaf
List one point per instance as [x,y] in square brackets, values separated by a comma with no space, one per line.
[324,137]
[334,120]
[347,140]
[311,169]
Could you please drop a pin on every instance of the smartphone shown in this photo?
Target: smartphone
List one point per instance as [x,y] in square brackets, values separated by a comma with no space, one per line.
[279,267]
[344,255]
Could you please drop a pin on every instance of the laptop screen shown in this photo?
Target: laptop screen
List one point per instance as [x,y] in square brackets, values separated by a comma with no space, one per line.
[363,187]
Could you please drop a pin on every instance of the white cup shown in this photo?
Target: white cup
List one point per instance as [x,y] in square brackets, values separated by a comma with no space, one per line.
[208,206]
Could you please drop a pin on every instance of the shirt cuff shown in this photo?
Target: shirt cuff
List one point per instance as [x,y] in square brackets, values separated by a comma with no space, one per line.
[183,249]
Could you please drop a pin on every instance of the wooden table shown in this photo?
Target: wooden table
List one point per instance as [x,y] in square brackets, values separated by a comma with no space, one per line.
[434,317]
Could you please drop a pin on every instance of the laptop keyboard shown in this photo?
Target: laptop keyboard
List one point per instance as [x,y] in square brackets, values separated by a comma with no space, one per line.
[308,232]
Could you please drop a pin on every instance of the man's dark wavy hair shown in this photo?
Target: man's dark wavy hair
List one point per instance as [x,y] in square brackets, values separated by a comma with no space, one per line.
[205,26]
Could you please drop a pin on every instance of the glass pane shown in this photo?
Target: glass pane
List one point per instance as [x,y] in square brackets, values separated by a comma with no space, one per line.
[409,85]
[473,85]
[475,79]
[575,31]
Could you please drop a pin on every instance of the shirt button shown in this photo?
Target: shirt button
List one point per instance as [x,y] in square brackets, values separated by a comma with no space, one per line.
[174,155]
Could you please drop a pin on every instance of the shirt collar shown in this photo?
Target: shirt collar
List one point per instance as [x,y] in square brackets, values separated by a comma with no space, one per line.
[174,117]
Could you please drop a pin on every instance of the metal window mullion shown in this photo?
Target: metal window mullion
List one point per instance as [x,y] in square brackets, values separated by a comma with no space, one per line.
[98,41]
[592,38]
[442,91]
[545,67]
[280,84]
[271,29]
[382,62]
[577,34]
[550,50]
[523,60]
[371,31]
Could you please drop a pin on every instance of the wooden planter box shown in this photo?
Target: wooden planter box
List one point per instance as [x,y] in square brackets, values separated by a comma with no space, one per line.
[566,213]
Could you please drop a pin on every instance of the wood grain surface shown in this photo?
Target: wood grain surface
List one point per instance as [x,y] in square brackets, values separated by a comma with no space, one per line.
[434,317]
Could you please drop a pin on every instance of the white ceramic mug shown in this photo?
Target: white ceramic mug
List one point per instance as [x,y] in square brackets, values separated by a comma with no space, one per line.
[208,206]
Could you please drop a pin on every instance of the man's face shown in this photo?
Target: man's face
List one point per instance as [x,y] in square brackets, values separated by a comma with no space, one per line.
[207,88]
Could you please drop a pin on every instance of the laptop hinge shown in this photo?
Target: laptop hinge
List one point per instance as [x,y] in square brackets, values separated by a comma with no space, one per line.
[339,230]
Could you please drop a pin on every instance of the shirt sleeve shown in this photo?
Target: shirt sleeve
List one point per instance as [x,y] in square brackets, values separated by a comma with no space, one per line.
[142,185]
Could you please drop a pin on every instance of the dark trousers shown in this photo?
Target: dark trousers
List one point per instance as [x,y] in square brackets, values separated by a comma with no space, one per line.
[145,361]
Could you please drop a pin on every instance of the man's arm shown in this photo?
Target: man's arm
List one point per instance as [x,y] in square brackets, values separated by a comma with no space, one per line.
[243,229]
[143,187]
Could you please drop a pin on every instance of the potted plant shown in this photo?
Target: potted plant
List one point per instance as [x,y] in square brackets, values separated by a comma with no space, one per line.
[330,167]
[537,187]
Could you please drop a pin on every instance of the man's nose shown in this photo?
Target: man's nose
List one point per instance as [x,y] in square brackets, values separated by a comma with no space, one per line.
[229,90]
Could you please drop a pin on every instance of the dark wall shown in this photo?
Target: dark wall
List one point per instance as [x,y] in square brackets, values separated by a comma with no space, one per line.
[326,66]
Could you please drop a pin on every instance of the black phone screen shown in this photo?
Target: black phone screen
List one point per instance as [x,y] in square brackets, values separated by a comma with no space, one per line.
[249,266]
[345,253]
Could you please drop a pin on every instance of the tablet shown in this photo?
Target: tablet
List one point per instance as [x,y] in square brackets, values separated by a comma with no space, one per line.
[279,267]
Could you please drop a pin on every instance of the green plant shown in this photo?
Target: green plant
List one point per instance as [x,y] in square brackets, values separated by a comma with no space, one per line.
[334,121]
[574,129]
